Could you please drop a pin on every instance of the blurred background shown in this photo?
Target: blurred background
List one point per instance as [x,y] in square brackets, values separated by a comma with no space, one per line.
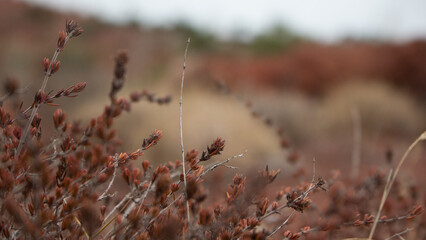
[287,81]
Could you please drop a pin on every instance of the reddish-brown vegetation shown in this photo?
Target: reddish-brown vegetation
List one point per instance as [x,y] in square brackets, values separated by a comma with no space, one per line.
[315,68]
[60,188]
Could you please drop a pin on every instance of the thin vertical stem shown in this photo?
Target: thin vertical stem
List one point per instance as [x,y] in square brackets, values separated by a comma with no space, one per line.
[181,129]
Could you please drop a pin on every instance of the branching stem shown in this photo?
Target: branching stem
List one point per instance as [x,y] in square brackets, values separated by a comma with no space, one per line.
[47,75]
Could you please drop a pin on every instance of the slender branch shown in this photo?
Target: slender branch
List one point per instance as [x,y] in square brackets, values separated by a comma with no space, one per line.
[82,228]
[155,218]
[104,194]
[164,209]
[138,202]
[392,179]
[37,105]
[351,224]
[283,224]
[231,167]
[181,128]
[104,226]
[399,234]
[223,163]
[127,197]
[313,172]
[145,195]
[47,75]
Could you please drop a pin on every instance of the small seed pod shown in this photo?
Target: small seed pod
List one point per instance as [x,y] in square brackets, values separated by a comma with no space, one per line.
[55,67]
[46,64]
[61,40]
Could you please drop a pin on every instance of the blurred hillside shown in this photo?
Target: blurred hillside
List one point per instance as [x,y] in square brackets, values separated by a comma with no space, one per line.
[277,58]
[306,88]
[314,68]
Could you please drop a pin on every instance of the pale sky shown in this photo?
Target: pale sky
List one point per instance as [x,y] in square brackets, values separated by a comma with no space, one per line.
[325,20]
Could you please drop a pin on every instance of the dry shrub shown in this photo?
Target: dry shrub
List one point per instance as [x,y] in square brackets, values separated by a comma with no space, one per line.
[381,107]
[63,188]
[201,124]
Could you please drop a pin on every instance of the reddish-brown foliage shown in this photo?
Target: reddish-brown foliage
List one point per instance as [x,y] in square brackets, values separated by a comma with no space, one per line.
[61,189]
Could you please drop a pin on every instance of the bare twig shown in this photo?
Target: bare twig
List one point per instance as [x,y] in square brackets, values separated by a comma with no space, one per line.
[104,226]
[283,224]
[155,218]
[313,172]
[128,210]
[127,197]
[392,179]
[181,129]
[223,163]
[399,234]
[104,194]
[144,196]
[79,224]
[164,209]
[231,167]
[351,224]
[82,228]
[138,202]
[37,105]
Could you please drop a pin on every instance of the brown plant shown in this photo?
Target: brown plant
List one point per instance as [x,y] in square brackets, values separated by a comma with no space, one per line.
[64,188]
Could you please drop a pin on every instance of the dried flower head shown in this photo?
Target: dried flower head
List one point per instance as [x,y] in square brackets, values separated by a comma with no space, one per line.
[58,118]
[72,28]
[152,140]
[215,148]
